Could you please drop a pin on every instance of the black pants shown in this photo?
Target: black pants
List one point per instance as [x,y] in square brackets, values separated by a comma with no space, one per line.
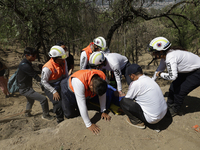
[181,87]
[69,104]
[132,110]
[135,113]
[57,105]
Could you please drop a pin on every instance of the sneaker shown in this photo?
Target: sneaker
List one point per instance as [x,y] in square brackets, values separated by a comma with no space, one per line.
[48,117]
[138,125]
[157,130]
[172,112]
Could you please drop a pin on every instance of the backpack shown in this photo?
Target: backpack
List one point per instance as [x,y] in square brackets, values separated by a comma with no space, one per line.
[13,84]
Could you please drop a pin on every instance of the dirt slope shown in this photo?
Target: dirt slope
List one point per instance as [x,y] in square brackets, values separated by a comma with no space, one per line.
[18,132]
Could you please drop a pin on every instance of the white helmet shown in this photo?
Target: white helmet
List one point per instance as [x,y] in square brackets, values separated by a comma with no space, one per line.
[100,42]
[57,51]
[96,58]
[158,44]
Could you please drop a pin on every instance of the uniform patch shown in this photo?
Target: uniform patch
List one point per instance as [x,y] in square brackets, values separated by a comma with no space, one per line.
[159,44]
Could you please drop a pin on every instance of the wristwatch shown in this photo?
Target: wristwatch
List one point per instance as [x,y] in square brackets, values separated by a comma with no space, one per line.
[159,74]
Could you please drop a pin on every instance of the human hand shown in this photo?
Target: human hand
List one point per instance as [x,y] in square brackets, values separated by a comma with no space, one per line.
[158,74]
[105,116]
[121,94]
[56,96]
[94,128]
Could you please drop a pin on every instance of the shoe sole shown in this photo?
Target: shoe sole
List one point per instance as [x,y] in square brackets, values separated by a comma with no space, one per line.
[48,119]
[141,127]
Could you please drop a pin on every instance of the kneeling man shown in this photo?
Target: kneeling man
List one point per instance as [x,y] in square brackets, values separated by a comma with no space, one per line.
[144,103]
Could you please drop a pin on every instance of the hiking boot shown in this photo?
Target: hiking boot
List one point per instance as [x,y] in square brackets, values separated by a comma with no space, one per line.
[48,117]
[140,125]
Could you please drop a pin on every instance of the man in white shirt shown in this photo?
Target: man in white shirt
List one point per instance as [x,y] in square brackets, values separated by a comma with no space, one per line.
[183,70]
[144,102]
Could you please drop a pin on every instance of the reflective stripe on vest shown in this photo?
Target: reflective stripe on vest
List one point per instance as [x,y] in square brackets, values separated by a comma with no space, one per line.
[85,77]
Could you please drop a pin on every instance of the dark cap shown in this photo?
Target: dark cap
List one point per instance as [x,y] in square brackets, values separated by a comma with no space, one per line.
[133,68]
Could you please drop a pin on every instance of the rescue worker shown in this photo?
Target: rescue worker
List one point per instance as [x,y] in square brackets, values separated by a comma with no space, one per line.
[53,72]
[98,44]
[140,103]
[183,69]
[25,75]
[112,62]
[69,59]
[83,85]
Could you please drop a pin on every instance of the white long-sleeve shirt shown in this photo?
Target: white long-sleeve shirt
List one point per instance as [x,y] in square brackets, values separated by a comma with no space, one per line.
[83,60]
[115,63]
[177,61]
[45,78]
[148,95]
[79,91]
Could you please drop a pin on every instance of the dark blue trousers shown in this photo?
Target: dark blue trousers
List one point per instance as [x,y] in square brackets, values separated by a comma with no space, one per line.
[181,87]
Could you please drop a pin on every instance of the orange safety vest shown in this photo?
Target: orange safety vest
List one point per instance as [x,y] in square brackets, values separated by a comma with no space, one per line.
[85,77]
[88,50]
[57,71]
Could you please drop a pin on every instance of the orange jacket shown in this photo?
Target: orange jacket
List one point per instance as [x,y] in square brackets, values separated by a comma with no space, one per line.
[57,70]
[85,77]
[88,50]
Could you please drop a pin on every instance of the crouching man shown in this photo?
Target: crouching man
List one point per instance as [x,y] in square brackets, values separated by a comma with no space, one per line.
[25,77]
[144,103]
[80,86]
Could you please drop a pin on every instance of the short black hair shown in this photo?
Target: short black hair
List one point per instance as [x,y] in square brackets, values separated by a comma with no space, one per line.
[29,51]
[99,85]
[60,43]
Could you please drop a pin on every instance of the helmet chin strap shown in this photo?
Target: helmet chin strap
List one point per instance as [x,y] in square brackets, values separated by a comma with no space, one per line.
[154,58]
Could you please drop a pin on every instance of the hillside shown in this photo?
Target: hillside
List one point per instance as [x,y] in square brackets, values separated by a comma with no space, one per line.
[18,132]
